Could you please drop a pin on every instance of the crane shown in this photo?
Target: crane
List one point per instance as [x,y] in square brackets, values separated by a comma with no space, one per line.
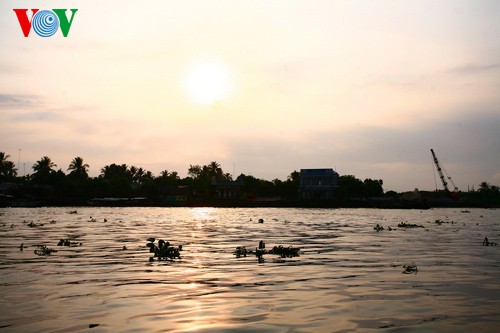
[442,175]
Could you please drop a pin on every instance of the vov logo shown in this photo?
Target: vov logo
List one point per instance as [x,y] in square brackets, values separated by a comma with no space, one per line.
[45,23]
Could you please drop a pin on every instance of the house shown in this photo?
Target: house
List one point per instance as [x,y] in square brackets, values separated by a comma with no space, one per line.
[318,184]
[228,188]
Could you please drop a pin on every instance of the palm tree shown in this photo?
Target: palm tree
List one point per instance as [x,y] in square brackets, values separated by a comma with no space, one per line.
[214,170]
[78,168]
[7,168]
[3,157]
[43,168]
[194,171]
[139,175]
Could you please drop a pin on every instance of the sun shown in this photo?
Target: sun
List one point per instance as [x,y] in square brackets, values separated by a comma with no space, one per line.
[208,82]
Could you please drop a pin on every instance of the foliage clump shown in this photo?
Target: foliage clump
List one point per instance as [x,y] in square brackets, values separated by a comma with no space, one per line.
[43,250]
[409,225]
[34,225]
[283,252]
[486,242]
[410,269]
[163,250]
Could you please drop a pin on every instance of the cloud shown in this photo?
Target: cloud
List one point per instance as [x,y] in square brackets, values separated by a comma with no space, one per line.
[474,68]
[8,101]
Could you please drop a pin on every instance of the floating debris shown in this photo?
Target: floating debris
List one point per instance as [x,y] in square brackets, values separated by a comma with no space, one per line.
[240,251]
[410,269]
[21,247]
[163,250]
[378,228]
[44,250]
[64,242]
[124,248]
[93,325]
[486,242]
[409,225]
[72,212]
[439,222]
[34,225]
[262,245]
[91,219]
[283,252]
[261,220]
[465,211]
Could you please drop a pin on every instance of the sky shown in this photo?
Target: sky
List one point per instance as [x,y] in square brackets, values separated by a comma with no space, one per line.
[366,87]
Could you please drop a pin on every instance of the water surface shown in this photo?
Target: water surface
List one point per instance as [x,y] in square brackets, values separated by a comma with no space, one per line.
[348,277]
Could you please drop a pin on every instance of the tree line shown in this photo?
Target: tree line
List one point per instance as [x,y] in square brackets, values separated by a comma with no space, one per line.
[121,180]
[75,186]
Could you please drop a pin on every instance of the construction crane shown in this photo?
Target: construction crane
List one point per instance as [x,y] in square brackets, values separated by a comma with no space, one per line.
[442,173]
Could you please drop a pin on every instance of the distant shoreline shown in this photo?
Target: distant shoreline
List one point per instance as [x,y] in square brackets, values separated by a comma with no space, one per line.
[277,204]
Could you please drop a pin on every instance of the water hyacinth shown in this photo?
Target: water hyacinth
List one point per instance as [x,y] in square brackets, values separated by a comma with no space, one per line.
[409,225]
[283,252]
[163,250]
[44,250]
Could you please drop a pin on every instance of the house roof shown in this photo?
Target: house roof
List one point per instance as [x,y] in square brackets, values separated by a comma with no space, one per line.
[317,172]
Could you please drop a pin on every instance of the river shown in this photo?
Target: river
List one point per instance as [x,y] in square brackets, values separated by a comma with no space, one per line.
[348,277]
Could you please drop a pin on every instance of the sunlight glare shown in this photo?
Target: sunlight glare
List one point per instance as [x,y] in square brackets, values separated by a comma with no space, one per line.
[208,82]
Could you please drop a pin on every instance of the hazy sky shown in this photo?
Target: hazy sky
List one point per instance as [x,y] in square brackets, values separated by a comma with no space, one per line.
[262,87]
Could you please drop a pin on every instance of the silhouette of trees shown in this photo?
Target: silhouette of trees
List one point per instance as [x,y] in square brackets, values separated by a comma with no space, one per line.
[79,170]
[485,187]
[352,187]
[8,170]
[373,188]
[167,178]
[43,170]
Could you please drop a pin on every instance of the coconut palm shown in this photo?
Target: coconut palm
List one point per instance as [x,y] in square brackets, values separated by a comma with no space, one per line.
[7,168]
[43,168]
[78,168]
[44,165]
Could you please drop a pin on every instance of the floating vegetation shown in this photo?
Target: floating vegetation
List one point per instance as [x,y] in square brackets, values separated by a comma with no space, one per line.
[21,247]
[378,228]
[409,225]
[93,325]
[64,242]
[465,211]
[283,252]
[240,251]
[410,269]
[44,250]
[91,219]
[287,252]
[486,242]
[72,212]
[261,220]
[34,225]
[439,222]
[163,250]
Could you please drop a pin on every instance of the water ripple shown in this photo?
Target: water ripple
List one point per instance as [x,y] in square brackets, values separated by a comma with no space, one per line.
[347,278]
